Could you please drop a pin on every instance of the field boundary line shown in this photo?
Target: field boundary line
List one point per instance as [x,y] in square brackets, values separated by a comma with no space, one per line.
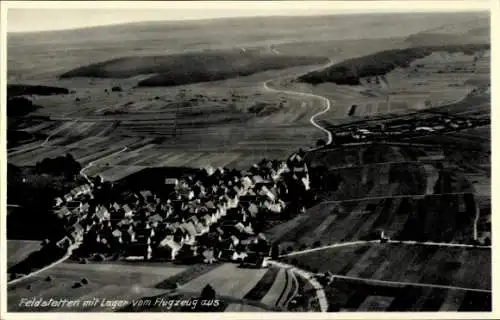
[41,145]
[331,246]
[402,242]
[396,196]
[283,294]
[415,284]
[295,287]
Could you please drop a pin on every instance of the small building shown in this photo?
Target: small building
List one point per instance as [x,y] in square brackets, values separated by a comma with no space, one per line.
[58,202]
[168,248]
[127,211]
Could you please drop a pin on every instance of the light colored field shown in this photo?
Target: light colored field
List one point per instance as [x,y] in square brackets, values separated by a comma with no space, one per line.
[18,250]
[227,280]
[106,281]
[279,285]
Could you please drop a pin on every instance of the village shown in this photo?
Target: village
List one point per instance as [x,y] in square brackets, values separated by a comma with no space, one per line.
[212,215]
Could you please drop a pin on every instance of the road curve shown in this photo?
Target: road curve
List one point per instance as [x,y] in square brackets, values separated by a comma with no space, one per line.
[326,101]
[92,163]
[323,302]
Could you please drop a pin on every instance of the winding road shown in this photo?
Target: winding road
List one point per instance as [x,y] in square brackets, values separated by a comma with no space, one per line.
[325,100]
[92,163]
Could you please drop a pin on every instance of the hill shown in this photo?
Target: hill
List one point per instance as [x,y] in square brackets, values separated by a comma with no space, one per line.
[14,90]
[192,67]
[350,71]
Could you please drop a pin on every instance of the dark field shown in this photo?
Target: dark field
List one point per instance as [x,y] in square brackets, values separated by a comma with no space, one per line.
[404,263]
[352,295]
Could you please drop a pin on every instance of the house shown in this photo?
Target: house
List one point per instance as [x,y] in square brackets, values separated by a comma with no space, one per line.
[169,248]
[58,202]
[239,256]
[155,219]
[188,253]
[208,256]
[253,261]
[257,179]
[63,212]
[306,183]
[226,255]
[68,197]
[273,206]
[190,231]
[247,182]
[127,211]
[253,209]
[76,232]
[146,195]
[115,206]
[128,236]
[74,205]
[138,251]
[244,229]
[249,197]
[264,191]
[84,208]
[64,243]
[102,213]
[117,234]
[171,181]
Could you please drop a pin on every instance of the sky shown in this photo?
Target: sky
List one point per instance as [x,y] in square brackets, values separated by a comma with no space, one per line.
[29,16]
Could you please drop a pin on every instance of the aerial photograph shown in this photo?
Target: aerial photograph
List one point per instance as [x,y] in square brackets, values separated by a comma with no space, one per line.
[235,158]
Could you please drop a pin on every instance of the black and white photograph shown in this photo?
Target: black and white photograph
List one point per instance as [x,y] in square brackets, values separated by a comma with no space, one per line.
[253,156]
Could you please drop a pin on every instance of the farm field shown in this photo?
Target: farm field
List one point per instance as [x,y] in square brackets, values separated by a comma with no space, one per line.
[347,295]
[399,217]
[242,280]
[252,289]
[403,263]
[233,137]
[436,80]
[392,189]
[18,250]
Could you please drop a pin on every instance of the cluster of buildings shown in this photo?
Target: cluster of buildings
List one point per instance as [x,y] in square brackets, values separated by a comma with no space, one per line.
[402,128]
[214,214]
